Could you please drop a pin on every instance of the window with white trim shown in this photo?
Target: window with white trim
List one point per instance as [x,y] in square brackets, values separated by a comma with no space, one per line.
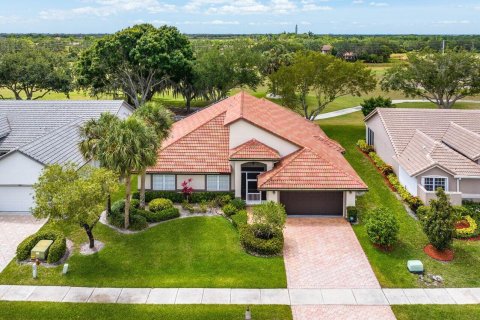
[218,182]
[163,182]
[433,183]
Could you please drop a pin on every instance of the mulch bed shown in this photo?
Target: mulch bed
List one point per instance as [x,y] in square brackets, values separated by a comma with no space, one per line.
[475,238]
[383,248]
[378,170]
[446,255]
[462,224]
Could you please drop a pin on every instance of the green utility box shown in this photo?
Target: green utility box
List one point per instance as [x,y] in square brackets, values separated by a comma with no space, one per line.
[40,251]
[415,266]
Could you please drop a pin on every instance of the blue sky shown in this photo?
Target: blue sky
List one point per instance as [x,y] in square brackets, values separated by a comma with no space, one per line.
[244,16]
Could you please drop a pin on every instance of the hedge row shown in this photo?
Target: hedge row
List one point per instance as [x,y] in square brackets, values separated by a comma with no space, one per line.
[161,215]
[386,169]
[413,202]
[55,252]
[177,197]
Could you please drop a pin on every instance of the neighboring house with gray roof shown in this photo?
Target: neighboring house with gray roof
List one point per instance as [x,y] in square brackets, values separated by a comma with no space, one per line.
[430,148]
[34,134]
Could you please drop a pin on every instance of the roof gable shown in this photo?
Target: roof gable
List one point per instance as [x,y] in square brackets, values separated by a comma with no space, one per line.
[463,140]
[4,126]
[254,149]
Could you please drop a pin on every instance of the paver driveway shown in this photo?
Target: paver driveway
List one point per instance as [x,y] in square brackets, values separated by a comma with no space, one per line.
[325,253]
[13,229]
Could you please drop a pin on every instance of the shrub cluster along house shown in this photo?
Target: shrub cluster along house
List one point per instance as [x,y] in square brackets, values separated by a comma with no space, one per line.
[430,148]
[34,134]
[260,151]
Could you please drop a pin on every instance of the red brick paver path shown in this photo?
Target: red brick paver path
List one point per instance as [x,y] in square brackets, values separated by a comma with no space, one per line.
[341,312]
[325,253]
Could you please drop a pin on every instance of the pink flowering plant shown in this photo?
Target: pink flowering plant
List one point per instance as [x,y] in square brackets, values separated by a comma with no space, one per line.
[186,188]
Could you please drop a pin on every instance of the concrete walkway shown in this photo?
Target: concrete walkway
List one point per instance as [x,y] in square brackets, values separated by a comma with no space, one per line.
[293,297]
[345,111]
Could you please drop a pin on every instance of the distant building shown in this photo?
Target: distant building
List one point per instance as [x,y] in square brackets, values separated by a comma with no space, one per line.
[327,49]
[349,56]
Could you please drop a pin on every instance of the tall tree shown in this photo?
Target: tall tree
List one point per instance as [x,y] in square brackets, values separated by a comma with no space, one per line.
[137,61]
[440,78]
[31,72]
[160,119]
[221,68]
[323,76]
[68,194]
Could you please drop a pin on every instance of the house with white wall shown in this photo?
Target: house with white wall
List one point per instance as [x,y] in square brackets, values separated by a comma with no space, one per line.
[260,151]
[430,148]
[34,134]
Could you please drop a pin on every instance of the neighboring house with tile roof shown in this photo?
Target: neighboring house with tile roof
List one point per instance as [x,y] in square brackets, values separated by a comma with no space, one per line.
[430,148]
[34,134]
[260,151]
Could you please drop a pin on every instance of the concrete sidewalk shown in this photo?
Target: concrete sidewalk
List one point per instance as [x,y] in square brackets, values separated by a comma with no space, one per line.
[294,297]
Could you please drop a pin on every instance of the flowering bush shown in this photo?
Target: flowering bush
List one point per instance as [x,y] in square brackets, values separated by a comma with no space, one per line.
[468,232]
[186,188]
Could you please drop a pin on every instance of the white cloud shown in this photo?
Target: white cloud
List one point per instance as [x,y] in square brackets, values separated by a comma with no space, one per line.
[315,7]
[242,7]
[378,4]
[358,1]
[105,8]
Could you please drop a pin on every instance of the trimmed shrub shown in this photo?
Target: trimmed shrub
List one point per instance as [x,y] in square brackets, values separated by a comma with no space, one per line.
[473,209]
[135,203]
[382,227]
[364,146]
[55,252]
[137,222]
[422,212]
[203,207]
[229,209]
[160,204]
[118,207]
[157,216]
[240,218]
[188,206]
[352,213]
[265,247]
[370,104]
[270,213]
[238,203]
[223,199]
[413,202]
[439,223]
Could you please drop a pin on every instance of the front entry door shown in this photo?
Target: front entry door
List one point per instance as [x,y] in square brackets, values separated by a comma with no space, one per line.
[250,192]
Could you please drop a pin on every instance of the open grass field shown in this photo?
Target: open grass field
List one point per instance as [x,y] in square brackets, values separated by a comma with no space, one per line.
[431,312]
[67,311]
[390,268]
[192,252]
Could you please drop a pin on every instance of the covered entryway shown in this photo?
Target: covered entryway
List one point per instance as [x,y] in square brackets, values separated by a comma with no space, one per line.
[16,198]
[313,202]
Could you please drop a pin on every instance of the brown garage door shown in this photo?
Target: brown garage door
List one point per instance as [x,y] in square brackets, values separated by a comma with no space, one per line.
[312,202]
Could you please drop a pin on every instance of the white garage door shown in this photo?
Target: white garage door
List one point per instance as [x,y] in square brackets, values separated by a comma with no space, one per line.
[16,199]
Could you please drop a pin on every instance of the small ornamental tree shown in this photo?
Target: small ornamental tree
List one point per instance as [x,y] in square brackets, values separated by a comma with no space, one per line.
[370,104]
[382,227]
[186,188]
[269,217]
[77,196]
[439,222]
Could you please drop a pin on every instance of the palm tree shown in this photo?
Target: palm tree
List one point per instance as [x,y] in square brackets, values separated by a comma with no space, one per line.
[130,146]
[91,133]
[160,119]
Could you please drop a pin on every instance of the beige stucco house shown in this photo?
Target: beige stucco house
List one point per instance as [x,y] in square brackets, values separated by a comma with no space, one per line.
[260,151]
[430,148]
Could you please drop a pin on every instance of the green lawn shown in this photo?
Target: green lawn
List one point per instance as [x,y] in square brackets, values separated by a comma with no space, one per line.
[191,252]
[431,312]
[48,310]
[390,268]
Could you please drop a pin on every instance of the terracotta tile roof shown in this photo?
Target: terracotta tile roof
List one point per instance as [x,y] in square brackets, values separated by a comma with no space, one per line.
[203,143]
[203,150]
[254,149]
[401,123]
[463,140]
[423,153]
[305,169]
